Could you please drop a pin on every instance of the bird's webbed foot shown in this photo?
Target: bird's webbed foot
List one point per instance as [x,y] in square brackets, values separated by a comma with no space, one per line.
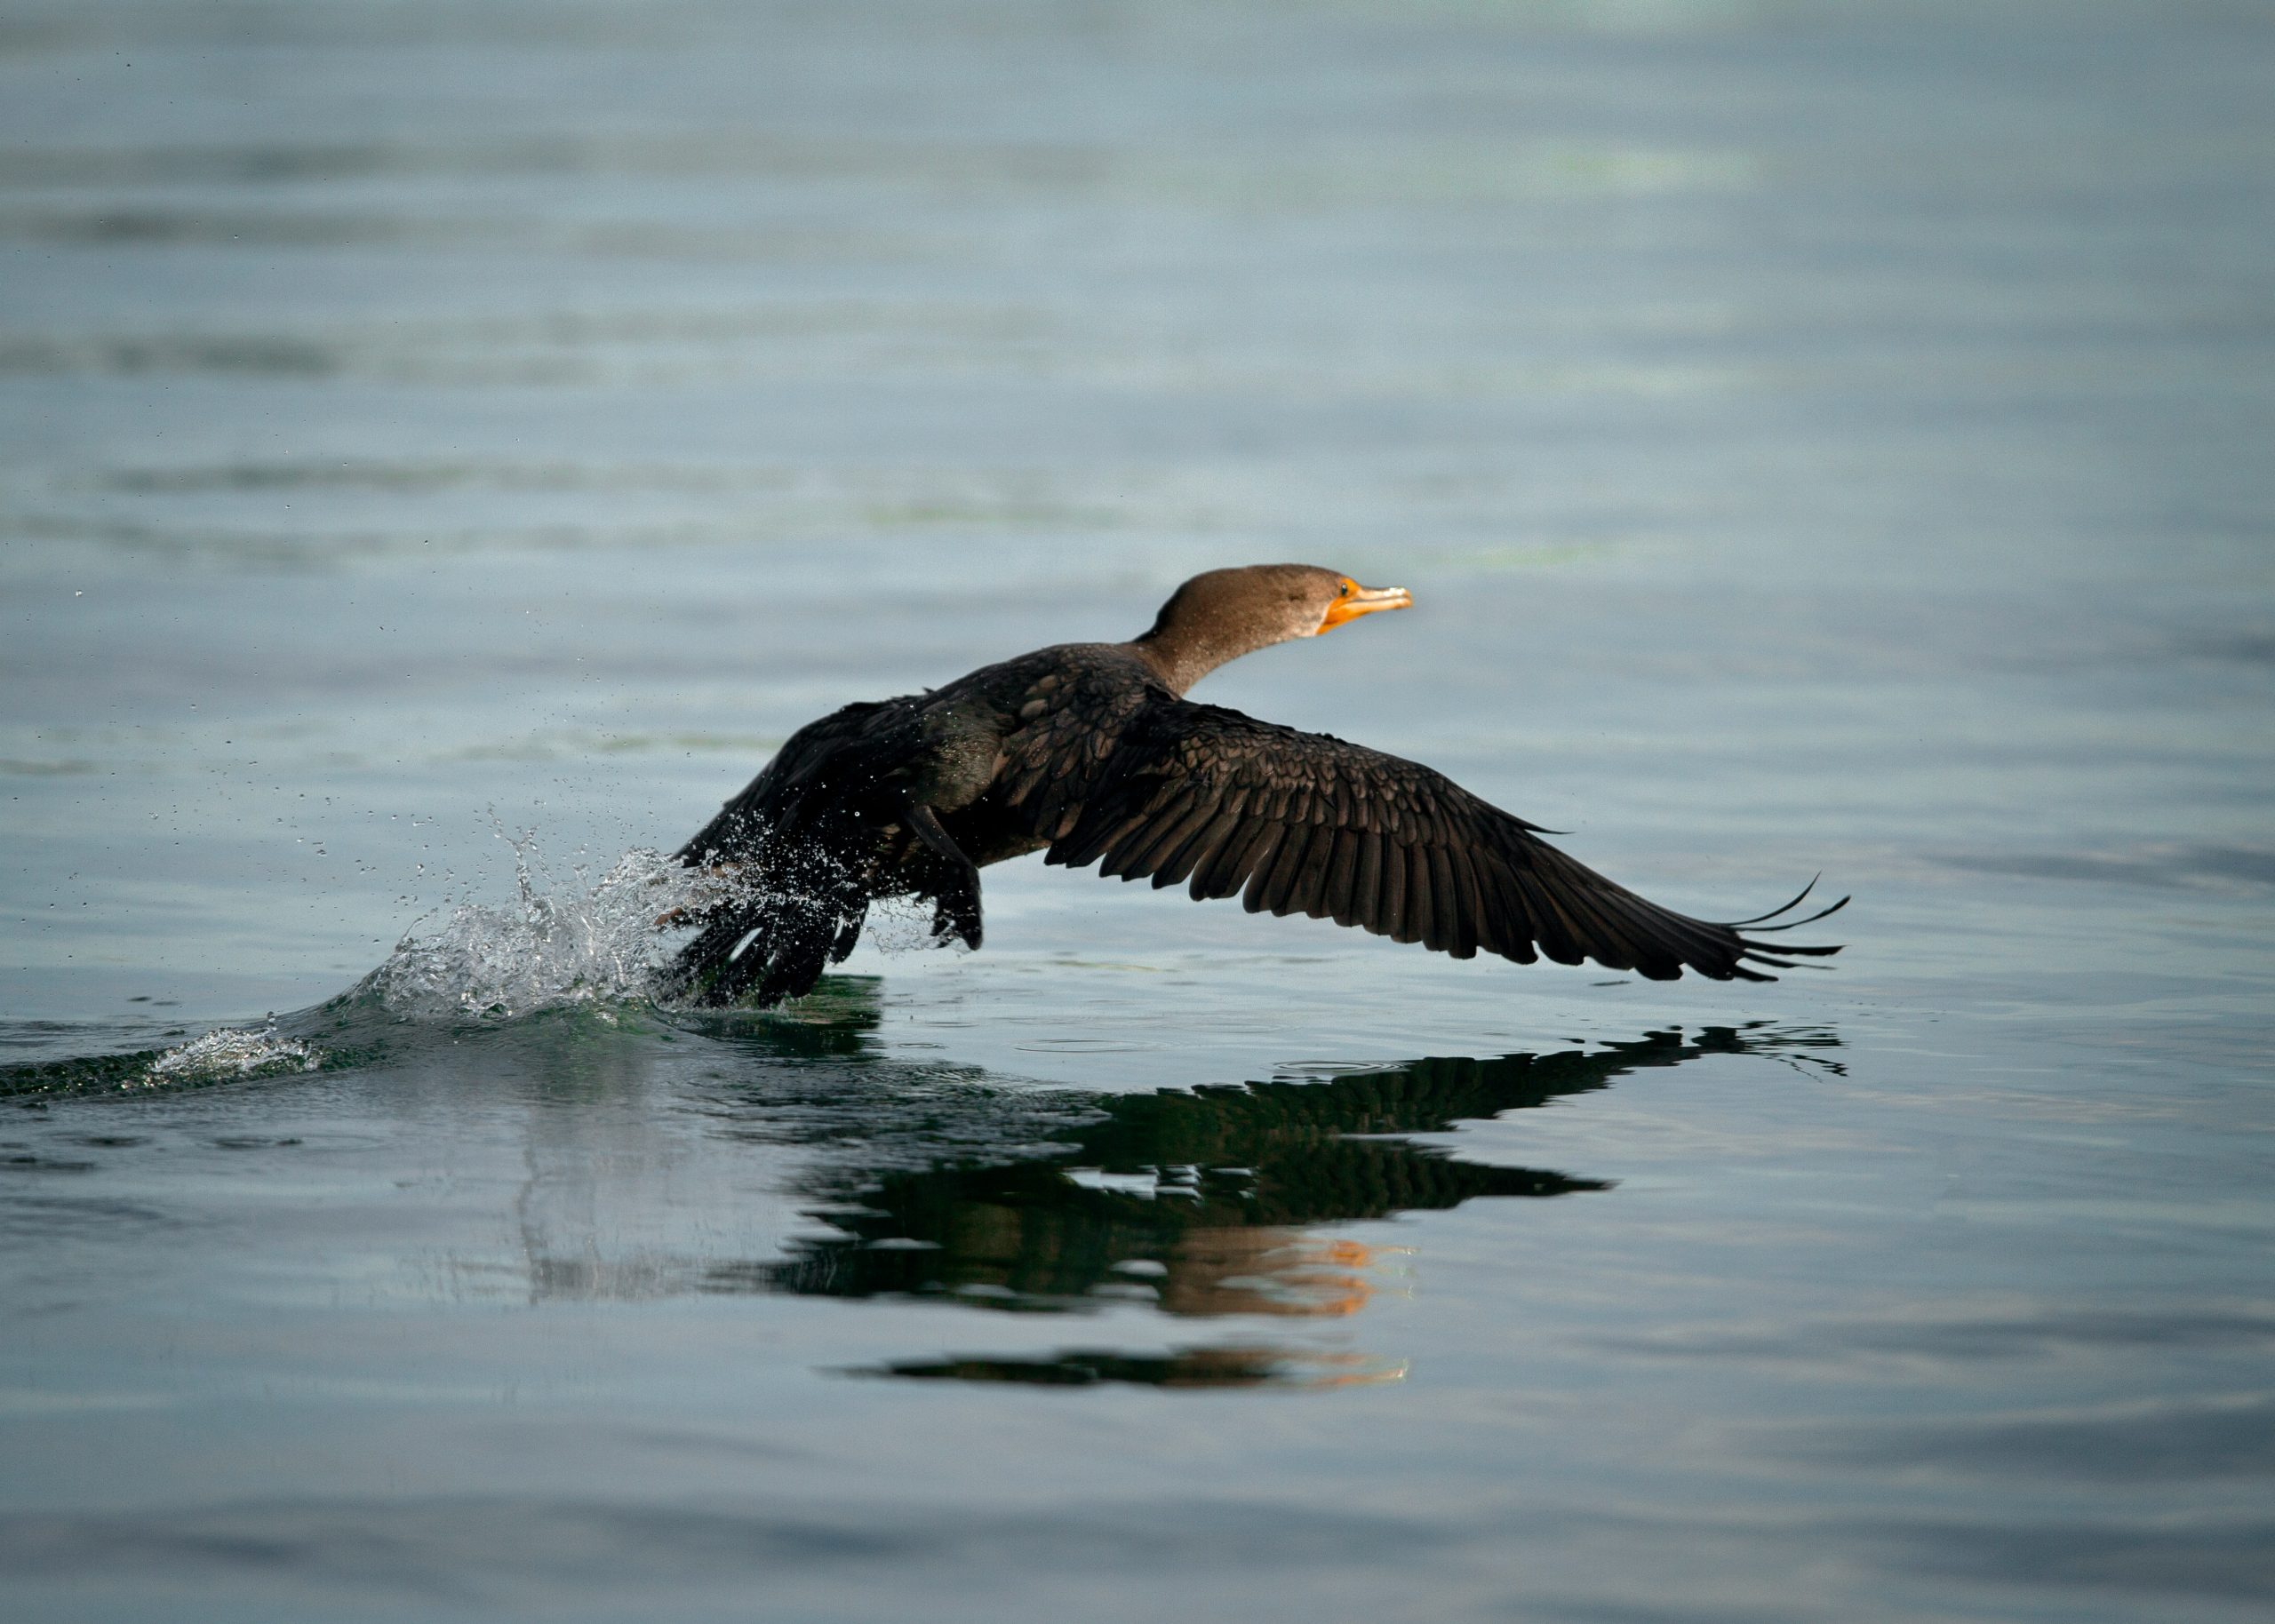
[954,886]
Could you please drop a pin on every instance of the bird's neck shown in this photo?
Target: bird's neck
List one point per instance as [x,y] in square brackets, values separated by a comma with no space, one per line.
[1181,655]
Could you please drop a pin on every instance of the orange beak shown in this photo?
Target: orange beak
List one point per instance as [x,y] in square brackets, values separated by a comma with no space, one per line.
[1357,601]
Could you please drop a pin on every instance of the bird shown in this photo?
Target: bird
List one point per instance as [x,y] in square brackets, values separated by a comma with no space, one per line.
[1092,754]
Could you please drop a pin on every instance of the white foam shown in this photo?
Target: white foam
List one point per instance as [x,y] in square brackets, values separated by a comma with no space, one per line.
[559,945]
[235,1052]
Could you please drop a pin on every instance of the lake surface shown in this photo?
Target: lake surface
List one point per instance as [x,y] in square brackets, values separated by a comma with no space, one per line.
[445,449]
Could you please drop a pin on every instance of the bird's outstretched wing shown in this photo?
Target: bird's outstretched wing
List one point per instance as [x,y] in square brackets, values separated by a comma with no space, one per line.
[1306,823]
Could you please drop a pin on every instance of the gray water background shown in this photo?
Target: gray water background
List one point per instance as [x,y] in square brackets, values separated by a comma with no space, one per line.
[1817,436]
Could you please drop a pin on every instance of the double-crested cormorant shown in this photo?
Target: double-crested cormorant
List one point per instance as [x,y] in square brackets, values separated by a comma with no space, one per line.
[1090,752]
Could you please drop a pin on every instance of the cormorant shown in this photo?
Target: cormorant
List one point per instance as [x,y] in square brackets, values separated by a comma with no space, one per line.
[1090,753]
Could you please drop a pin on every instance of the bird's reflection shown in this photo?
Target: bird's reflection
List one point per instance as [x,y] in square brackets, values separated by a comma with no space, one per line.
[1218,1367]
[1200,1203]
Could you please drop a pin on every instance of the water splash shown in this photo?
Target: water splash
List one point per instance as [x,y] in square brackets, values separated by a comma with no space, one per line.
[562,944]
[233,1052]
[227,1055]
[559,945]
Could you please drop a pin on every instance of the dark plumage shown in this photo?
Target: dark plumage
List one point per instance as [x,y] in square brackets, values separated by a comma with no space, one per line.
[1090,752]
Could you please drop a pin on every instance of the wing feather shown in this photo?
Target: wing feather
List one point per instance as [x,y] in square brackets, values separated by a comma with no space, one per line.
[1421,899]
[1263,849]
[1367,885]
[1294,822]
[1393,920]
[1342,874]
[1207,832]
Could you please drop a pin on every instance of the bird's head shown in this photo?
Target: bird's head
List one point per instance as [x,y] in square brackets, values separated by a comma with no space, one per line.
[1226,613]
[1261,604]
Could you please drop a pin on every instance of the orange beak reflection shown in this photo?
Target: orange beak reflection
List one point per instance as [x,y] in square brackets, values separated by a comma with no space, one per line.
[1357,601]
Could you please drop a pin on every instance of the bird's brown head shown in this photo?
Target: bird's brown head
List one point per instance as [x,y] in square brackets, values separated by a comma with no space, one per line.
[1226,613]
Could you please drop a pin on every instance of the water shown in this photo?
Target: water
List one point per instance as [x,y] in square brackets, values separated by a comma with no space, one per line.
[443,449]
